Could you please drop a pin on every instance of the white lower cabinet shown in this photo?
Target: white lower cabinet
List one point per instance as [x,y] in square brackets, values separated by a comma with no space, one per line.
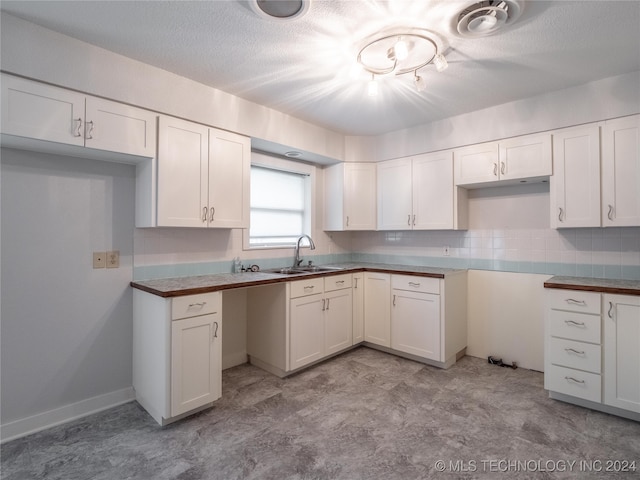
[622,351]
[415,323]
[177,353]
[307,330]
[592,350]
[295,324]
[423,317]
[377,308]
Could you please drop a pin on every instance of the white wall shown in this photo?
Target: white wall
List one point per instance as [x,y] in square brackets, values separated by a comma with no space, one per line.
[595,101]
[69,63]
[66,328]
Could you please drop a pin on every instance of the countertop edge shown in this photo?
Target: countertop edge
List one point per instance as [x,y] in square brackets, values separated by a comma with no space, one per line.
[139,285]
[592,288]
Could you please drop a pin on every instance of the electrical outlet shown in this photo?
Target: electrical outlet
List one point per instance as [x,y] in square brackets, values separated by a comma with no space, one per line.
[113,259]
[99,260]
[445,251]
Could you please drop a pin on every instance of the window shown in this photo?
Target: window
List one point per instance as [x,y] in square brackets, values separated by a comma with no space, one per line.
[280,202]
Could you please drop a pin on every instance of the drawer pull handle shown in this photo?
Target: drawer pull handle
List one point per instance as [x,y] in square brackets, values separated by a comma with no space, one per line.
[199,305]
[573,323]
[414,284]
[308,287]
[215,330]
[571,379]
[609,311]
[78,127]
[573,301]
[571,350]
[340,282]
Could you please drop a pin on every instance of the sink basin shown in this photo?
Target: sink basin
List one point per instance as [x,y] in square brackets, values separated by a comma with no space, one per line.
[316,268]
[301,270]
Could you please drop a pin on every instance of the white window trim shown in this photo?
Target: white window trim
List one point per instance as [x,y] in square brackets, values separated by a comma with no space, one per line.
[262,160]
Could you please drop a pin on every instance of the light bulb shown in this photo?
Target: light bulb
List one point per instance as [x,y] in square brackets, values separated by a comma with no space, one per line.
[401,50]
[372,87]
[440,62]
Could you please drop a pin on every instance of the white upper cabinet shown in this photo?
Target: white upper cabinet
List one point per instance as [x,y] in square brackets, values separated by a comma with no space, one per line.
[621,172]
[476,164]
[350,197]
[182,173]
[43,112]
[575,183]
[394,194]
[433,189]
[417,193]
[513,160]
[203,176]
[116,127]
[229,170]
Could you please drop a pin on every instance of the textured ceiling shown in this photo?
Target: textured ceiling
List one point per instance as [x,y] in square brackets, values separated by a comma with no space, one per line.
[305,67]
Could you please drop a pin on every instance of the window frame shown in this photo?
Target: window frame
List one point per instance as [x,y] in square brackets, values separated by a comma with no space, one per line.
[260,159]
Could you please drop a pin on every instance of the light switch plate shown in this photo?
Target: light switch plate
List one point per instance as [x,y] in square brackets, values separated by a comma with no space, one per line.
[99,260]
[113,259]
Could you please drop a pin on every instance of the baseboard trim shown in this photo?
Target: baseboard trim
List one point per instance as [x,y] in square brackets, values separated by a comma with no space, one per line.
[51,418]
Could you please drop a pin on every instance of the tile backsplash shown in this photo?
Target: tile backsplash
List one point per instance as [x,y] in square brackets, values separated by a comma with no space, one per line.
[586,252]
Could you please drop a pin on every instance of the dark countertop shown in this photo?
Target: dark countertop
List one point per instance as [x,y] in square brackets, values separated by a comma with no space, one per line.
[602,285]
[179,286]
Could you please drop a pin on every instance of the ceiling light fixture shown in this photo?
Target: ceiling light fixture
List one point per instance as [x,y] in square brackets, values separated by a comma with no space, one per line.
[481,19]
[399,53]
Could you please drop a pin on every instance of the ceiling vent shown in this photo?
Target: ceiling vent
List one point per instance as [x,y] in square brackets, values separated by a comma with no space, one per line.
[481,19]
[282,10]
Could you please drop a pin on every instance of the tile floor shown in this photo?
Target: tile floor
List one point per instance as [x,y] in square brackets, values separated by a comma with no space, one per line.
[362,415]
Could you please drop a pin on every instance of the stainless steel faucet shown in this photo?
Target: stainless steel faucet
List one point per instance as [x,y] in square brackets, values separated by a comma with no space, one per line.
[296,259]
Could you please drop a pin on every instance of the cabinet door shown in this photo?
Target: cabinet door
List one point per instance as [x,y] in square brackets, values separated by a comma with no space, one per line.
[621,172]
[307,330]
[377,313]
[360,196]
[338,321]
[394,195]
[228,181]
[182,173]
[34,110]
[622,351]
[415,323]
[432,177]
[476,164]
[120,128]
[196,362]
[525,157]
[575,183]
[358,308]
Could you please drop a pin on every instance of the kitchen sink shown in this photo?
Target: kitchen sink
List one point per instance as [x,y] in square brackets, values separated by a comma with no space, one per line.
[301,270]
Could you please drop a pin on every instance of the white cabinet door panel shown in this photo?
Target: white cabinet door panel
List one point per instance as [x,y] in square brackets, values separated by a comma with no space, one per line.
[432,177]
[525,157]
[338,320]
[622,351]
[476,164]
[394,195]
[377,308]
[415,324]
[621,172]
[307,330]
[360,196]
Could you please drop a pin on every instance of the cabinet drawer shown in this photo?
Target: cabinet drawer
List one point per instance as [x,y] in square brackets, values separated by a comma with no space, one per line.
[195,305]
[416,284]
[574,301]
[583,356]
[306,287]
[573,382]
[574,326]
[337,282]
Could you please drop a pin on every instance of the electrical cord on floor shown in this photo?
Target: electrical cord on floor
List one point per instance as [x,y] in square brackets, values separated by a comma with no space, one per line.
[498,362]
